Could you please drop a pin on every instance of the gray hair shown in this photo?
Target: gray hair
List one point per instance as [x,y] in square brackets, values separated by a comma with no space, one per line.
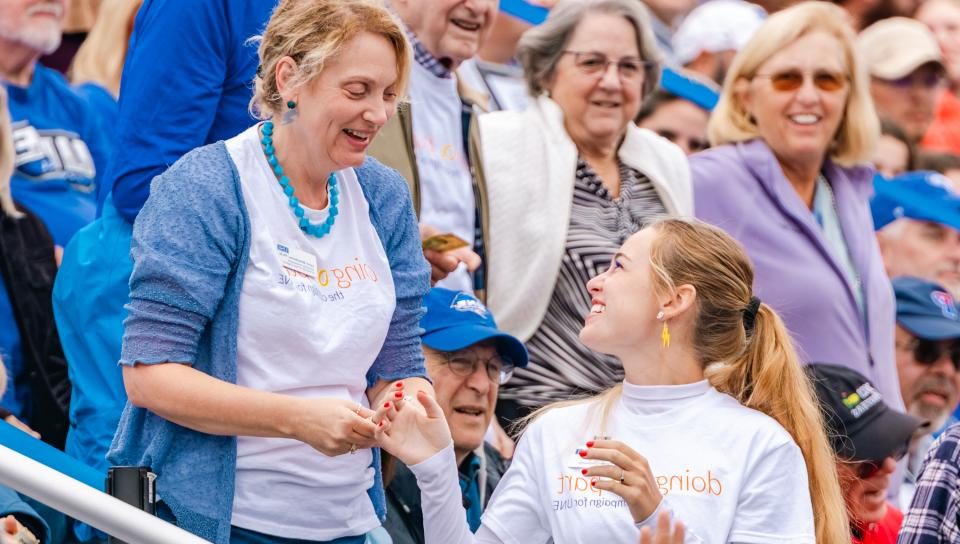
[541,47]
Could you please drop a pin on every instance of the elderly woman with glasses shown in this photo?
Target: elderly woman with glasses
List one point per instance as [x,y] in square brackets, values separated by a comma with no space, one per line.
[569,180]
[788,178]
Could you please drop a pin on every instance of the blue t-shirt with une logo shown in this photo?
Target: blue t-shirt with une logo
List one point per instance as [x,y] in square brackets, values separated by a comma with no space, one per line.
[61,151]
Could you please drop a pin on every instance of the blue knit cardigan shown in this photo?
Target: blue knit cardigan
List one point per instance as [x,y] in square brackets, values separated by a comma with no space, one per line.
[190,248]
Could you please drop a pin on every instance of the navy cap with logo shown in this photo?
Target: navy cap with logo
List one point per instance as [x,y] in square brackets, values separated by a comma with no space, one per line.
[926,309]
[456,320]
[861,426]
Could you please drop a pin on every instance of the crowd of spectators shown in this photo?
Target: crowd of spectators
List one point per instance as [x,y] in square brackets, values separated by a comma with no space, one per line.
[424,272]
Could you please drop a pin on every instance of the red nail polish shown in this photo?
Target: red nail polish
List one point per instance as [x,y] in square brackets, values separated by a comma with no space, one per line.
[387,405]
[399,384]
[590,444]
[583,453]
[381,424]
[584,472]
[398,394]
[419,390]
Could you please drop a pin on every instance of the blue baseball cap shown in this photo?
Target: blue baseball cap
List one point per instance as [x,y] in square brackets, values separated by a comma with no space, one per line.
[456,320]
[923,196]
[926,309]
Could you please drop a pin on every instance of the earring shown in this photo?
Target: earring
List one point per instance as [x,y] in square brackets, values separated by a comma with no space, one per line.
[665,336]
[660,315]
[291,104]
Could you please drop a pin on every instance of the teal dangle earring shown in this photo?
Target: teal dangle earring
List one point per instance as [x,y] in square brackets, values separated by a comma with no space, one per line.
[289,115]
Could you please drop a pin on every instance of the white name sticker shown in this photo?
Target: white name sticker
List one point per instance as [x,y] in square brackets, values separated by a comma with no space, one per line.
[294,259]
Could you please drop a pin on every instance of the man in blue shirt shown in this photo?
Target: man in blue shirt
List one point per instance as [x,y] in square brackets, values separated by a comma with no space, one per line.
[186,83]
[60,145]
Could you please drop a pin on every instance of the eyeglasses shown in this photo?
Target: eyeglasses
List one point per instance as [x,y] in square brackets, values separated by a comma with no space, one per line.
[465,361]
[928,352]
[594,64]
[924,80]
[869,469]
[791,80]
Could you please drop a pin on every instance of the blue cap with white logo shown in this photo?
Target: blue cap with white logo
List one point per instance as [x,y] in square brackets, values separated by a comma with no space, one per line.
[926,309]
[456,320]
[923,196]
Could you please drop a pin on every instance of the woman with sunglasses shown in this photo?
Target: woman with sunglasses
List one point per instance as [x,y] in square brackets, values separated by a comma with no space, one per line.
[787,177]
[868,439]
[569,180]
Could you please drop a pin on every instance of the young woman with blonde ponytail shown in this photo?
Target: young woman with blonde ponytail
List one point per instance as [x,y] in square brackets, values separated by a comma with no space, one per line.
[715,423]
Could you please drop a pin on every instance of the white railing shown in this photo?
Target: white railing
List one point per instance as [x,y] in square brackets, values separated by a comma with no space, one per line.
[89,505]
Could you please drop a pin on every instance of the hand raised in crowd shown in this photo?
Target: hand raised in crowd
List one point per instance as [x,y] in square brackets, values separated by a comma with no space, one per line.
[11,528]
[663,534]
[413,436]
[629,476]
[335,426]
[442,264]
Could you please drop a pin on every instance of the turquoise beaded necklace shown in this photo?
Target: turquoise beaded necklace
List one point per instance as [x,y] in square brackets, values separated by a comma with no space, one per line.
[312,230]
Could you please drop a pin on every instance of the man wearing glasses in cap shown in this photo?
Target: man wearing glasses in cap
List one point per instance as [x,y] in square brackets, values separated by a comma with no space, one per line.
[928,356]
[468,359]
[868,439]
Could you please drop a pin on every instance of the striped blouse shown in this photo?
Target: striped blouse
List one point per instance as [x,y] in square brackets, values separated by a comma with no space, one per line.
[560,366]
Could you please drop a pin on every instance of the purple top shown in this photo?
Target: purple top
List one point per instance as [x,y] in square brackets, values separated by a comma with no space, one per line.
[742,189]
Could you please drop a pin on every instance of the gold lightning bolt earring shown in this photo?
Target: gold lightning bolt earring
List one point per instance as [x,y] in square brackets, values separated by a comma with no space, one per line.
[666,332]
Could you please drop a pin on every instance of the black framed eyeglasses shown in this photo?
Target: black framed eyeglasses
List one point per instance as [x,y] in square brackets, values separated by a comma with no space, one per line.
[465,361]
[928,352]
[594,64]
[868,469]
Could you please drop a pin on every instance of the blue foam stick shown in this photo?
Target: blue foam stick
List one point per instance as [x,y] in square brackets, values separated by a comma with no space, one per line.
[43,453]
[684,87]
[524,11]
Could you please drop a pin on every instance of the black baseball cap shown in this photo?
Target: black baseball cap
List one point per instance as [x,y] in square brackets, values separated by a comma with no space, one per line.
[926,309]
[860,425]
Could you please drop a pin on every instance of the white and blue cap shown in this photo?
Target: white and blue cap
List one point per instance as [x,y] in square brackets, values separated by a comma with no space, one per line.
[456,320]
[926,309]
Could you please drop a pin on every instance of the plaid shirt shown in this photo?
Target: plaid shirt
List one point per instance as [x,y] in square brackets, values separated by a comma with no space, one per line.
[933,515]
[425,58]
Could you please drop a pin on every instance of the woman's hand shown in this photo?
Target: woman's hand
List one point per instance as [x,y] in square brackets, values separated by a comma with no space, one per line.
[663,535]
[333,426]
[11,528]
[415,432]
[638,488]
[12,419]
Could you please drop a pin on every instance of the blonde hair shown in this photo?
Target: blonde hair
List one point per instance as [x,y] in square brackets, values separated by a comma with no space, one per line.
[7,159]
[859,129]
[312,33]
[100,58]
[760,368]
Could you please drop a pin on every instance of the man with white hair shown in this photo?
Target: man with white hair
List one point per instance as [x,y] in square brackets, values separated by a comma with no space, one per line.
[917,217]
[60,142]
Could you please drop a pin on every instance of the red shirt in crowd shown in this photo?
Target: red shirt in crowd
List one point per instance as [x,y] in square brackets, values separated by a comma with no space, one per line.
[944,132]
[884,531]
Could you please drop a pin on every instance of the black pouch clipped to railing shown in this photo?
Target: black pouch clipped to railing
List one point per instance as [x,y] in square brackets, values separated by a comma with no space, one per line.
[134,486]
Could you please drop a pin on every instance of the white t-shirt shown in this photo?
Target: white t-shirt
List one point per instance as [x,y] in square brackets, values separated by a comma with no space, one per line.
[307,336]
[731,474]
[446,187]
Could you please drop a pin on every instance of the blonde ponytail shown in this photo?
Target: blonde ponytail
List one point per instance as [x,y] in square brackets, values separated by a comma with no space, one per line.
[768,378]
